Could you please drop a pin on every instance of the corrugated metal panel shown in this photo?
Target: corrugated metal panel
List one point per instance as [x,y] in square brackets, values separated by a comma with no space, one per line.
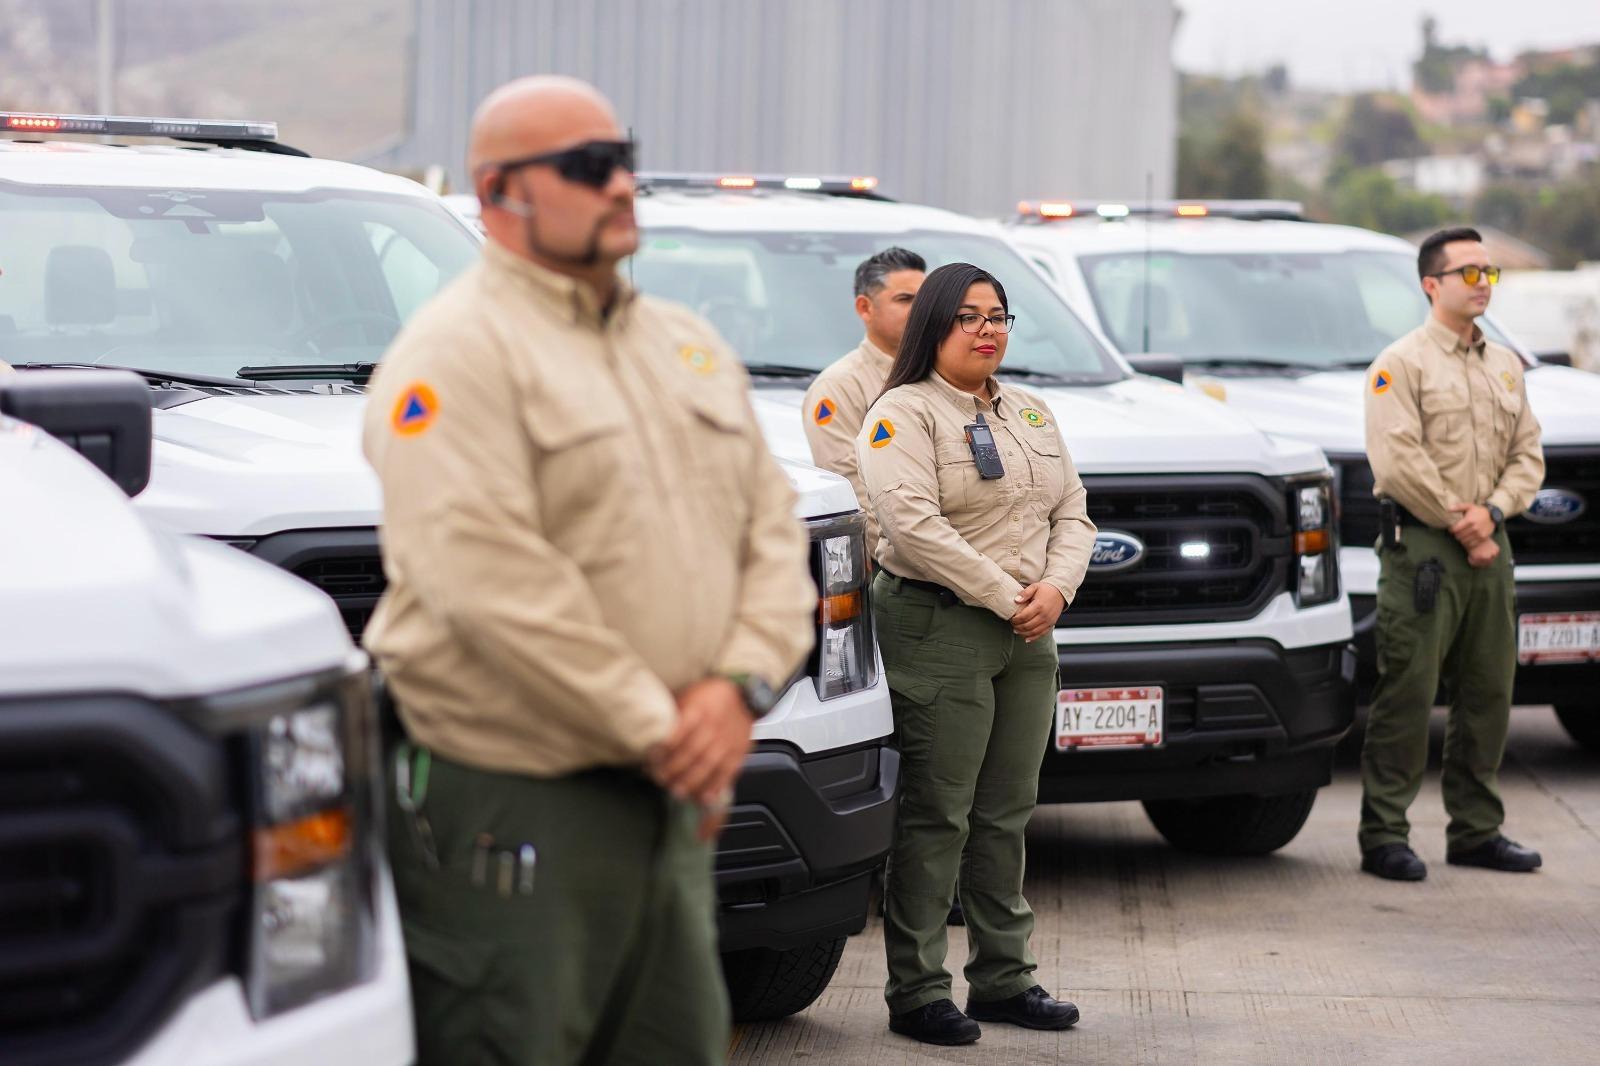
[967,104]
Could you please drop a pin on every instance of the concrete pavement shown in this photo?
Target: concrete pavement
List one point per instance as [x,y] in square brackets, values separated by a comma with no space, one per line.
[1297,958]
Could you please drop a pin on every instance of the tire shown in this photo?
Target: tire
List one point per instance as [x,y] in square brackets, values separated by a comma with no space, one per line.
[765,984]
[1581,723]
[1231,825]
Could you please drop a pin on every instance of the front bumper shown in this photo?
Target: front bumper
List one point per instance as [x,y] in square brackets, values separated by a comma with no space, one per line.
[1536,683]
[795,860]
[1242,716]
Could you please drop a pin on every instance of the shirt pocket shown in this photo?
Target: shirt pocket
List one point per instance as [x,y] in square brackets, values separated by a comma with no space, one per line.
[585,481]
[717,453]
[961,490]
[1507,409]
[1043,449]
[1446,414]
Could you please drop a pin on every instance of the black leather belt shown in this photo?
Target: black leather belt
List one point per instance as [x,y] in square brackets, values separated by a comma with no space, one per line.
[946,595]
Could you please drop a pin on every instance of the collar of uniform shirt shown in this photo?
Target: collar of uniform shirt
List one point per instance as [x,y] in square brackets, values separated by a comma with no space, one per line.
[1451,341]
[966,401]
[872,349]
[558,291]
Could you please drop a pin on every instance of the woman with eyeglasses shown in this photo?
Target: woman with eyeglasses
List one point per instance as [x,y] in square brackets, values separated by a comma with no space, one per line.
[985,540]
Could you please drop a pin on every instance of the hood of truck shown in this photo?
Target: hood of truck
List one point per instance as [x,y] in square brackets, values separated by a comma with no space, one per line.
[252,465]
[1327,409]
[1138,426]
[98,600]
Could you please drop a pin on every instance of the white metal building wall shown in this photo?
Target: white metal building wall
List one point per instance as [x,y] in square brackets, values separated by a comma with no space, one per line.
[966,104]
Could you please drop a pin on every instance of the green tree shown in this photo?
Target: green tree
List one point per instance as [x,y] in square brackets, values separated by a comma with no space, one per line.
[1375,130]
[1565,88]
[1229,164]
[1369,198]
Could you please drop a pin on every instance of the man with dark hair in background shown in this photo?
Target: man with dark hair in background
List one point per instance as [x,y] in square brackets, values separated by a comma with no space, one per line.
[838,399]
[1455,452]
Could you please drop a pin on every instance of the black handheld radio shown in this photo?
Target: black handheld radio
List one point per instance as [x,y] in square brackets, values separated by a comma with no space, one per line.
[980,438]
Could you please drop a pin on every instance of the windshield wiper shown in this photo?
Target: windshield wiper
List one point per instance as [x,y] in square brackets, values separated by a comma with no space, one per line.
[154,377]
[322,371]
[781,370]
[1245,362]
[1029,374]
[1348,364]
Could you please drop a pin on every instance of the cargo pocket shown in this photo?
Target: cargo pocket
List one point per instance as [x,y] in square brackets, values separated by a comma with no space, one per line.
[914,697]
[449,995]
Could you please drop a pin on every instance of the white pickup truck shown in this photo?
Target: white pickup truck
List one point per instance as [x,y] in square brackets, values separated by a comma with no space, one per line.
[255,289]
[189,866]
[1213,606]
[1279,318]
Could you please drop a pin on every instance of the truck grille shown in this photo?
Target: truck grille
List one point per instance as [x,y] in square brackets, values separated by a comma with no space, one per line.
[344,563]
[1241,519]
[1574,541]
[121,874]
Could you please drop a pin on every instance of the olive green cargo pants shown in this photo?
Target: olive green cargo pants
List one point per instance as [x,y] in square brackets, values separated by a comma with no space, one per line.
[611,958]
[1469,641]
[973,708]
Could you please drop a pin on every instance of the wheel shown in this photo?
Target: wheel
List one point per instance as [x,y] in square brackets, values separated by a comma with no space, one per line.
[1581,723]
[1231,825]
[765,984]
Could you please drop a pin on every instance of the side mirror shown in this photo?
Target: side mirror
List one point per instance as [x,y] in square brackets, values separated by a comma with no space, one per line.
[103,414]
[1158,366]
[1555,358]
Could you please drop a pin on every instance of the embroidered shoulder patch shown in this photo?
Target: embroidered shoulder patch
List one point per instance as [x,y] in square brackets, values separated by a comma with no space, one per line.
[700,360]
[1034,417]
[1381,382]
[1510,380]
[415,410]
[882,433]
[825,411]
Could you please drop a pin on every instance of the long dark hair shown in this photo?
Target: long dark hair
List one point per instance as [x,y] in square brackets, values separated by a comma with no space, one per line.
[932,314]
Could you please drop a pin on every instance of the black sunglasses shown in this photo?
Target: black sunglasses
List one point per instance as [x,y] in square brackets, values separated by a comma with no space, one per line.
[591,163]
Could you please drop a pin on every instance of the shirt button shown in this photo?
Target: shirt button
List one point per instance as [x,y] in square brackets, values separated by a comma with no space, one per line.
[1013,551]
[1016,518]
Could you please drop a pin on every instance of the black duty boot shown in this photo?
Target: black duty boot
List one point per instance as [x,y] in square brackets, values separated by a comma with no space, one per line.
[1497,854]
[939,1022]
[1033,1009]
[1394,862]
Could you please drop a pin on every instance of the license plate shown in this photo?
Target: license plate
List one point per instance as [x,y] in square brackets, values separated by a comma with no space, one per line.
[1108,718]
[1558,638]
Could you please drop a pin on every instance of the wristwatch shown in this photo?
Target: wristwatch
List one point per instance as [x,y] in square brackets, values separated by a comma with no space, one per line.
[1498,515]
[759,699]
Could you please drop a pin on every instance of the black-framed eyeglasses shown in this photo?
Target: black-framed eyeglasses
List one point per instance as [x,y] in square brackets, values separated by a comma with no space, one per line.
[1473,274]
[973,323]
[591,163]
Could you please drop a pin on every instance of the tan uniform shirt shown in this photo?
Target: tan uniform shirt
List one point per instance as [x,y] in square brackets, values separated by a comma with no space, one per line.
[941,522]
[835,406]
[1449,423]
[580,519]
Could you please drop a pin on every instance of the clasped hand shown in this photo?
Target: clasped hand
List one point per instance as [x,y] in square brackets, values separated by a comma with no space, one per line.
[1475,531]
[705,750]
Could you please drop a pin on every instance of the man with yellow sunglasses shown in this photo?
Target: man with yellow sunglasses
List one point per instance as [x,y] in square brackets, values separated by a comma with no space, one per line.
[1455,452]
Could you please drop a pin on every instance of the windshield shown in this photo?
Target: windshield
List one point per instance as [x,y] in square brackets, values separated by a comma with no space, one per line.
[206,281]
[786,298]
[1305,309]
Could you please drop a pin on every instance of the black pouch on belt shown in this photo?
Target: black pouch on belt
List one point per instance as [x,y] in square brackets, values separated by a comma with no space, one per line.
[1425,592]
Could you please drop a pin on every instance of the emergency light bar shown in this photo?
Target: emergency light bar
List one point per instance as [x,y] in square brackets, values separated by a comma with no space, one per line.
[262,136]
[1249,210]
[859,186]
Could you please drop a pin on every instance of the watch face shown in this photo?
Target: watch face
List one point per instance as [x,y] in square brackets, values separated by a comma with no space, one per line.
[759,695]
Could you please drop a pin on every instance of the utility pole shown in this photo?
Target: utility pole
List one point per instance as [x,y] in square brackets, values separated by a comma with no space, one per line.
[106,57]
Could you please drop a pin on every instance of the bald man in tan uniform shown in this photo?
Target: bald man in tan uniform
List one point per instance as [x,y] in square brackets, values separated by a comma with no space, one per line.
[596,582]
[1454,444]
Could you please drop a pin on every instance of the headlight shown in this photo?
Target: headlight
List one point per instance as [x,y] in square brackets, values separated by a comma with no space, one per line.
[309,747]
[1315,543]
[845,658]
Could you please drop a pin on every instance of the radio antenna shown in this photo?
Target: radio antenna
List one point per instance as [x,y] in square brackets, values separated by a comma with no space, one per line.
[1149,207]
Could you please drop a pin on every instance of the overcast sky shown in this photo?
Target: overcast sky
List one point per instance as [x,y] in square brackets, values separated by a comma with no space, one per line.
[1364,44]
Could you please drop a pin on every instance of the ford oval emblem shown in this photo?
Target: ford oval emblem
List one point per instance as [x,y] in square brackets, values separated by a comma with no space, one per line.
[1115,551]
[1553,506]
